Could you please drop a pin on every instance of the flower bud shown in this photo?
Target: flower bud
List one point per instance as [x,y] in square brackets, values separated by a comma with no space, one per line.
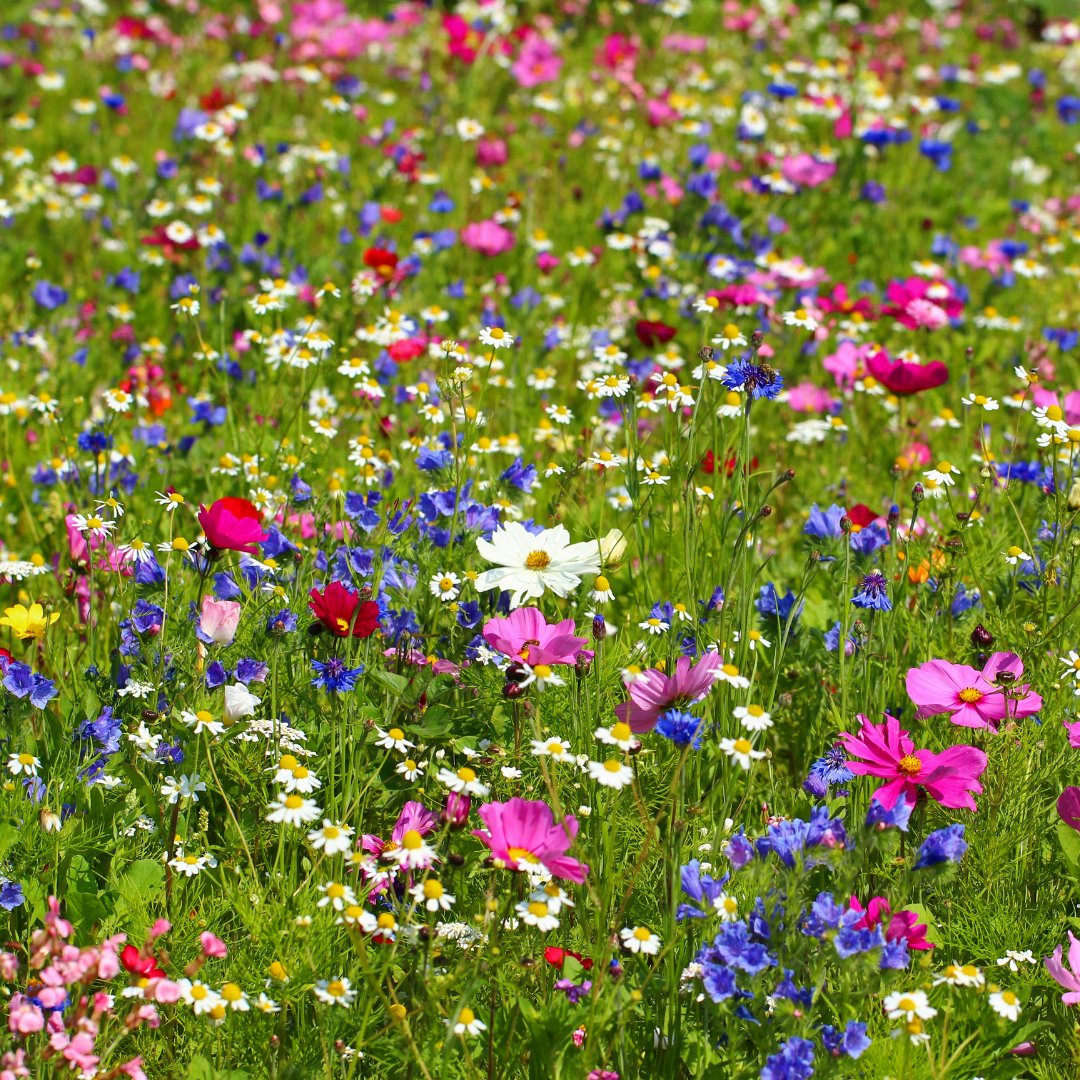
[981,638]
[917,494]
[455,813]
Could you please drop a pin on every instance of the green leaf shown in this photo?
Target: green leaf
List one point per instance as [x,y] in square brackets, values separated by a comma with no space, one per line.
[1069,839]
[921,910]
[388,680]
[201,1069]
[8,835]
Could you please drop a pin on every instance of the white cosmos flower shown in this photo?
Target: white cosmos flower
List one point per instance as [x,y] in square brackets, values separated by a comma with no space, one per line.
[528,565]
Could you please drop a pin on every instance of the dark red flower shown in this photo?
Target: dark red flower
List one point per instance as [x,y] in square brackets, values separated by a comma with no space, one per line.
[861,515]
[343,612]
[651,333]
[232,524]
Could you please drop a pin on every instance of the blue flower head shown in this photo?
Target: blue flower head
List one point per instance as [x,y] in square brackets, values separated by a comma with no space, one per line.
[872,593]
[680,728]
[944,846]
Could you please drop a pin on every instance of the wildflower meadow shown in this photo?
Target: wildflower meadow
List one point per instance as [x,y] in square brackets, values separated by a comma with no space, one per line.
[540,539]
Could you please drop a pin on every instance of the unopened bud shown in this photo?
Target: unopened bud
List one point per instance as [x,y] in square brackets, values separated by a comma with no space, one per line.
[599,628]
[981,638]
[846,524]
[756,338]
[455,813]
[917,494]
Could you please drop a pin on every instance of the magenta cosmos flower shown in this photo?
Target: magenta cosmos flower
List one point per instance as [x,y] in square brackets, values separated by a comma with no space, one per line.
[1062,975]
[886,751]
[972,698]
[526,635]
[523,835]
[653,692]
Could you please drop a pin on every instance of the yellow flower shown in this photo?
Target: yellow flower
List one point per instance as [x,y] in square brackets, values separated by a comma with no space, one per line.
[29,622]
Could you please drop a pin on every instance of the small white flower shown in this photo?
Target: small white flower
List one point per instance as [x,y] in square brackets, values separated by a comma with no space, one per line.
[639,939]
[742,750]
[611,773]
[1006,1004]
[907,1005]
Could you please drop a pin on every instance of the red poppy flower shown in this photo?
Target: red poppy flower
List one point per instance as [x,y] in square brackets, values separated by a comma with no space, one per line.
[380,260]
[861,515]
[343,612]
[557,957]
[232,524]
[708,464]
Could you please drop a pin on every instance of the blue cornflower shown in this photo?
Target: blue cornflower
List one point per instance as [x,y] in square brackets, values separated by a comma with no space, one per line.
[869,538]
[281,622]
[832,640]
[832,766]
[757,380]
[771,604]
[872,593]
[824,524]
[683,729]
[943,846]
[333,675]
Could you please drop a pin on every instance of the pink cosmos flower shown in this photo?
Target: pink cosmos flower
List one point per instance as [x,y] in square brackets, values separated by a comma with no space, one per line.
[652,692]
[900,377]
[414,817]
[974,699]
[886,751]
[1044,398]
[911,300]
[488,237]
[526,635]
[1068,807]
[807,171]
[537,63]
[219,620]
[523,834]
[1062,975]
[904,924]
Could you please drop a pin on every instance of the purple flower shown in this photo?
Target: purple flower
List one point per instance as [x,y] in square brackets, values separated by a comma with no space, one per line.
[48,296]
[852,1041]
[23,682]
[944,846]
[11,894]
